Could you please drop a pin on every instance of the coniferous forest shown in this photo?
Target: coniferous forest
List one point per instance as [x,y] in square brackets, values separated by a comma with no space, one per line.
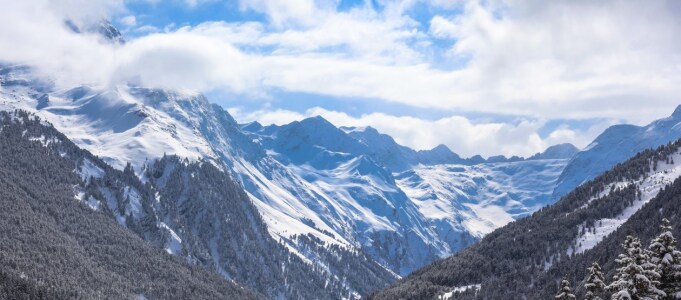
[54,247]
[642,273]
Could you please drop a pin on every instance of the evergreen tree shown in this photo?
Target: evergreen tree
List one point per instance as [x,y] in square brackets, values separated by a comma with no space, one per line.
[667,260]
[564,293]
[636,278]
[595,282]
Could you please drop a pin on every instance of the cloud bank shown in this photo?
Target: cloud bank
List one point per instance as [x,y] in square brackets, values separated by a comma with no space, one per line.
[538,60]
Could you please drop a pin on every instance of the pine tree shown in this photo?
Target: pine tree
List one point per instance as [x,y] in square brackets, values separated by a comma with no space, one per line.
[595,282]
[667,260]
[564,293]
[636,278]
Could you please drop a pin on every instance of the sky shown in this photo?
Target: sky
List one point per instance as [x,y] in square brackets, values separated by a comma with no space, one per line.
[482,77]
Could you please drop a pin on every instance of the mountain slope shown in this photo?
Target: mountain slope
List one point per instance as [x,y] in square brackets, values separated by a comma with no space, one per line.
[219,227]
[307,178]
[57,247]
[136,125]
[615,145]
[131,124]
[562,238]
[353,194]
[448,207]
[482,197]
[397,158]
[560,151]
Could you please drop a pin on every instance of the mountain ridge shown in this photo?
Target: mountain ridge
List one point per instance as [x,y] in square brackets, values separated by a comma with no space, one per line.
[62,243]
[616,144]
[337,190]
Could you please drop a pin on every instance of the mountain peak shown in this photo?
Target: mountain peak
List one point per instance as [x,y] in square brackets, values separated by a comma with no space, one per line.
[107,31]
[559,151]
[677,111]
[441,154]
[252,126]
[441,149]
[371,130]
[316,120]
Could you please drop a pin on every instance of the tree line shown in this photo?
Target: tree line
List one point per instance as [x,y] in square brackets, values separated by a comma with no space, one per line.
[653,273]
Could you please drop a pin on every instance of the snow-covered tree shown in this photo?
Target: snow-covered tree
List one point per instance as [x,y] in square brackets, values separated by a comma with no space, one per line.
[667,259]
[595,282]
[564,293]
[636,278]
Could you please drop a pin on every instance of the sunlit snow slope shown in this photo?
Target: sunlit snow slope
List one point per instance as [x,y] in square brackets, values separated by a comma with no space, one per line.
[615,145]
[483,197]
[309,177]
[404,218]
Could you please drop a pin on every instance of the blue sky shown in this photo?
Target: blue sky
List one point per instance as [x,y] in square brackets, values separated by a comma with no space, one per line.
[480,76]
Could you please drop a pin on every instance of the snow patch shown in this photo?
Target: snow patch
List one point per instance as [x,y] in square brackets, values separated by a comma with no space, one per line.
[134,206]
[93,203]
[43,140]
[89,169]
[649,186]
[174,243]
[458,289]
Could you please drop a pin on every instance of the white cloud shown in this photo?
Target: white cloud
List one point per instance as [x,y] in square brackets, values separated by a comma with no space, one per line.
[194,3]
[297,12]
[463,136]
[183,60]
[76,10]
[34,33]
[558,59]
[129,21]
[147,29]
[571,58]
[442,28]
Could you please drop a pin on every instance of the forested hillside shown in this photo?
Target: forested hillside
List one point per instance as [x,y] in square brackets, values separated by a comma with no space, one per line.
[55,247]
[219,227]
[527,258]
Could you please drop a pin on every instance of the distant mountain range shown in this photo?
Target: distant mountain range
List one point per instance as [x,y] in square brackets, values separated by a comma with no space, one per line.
[615,145]
[563,239]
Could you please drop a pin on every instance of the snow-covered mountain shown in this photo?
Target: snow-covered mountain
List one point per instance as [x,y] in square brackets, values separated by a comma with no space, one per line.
[482,197]
[397,158]
[563,239]
[352,187]
[61,234]
[393,197]
[556,152]
[192,210]
[615,145]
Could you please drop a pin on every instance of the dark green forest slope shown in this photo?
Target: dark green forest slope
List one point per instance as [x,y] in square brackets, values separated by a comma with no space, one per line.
[54,247]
